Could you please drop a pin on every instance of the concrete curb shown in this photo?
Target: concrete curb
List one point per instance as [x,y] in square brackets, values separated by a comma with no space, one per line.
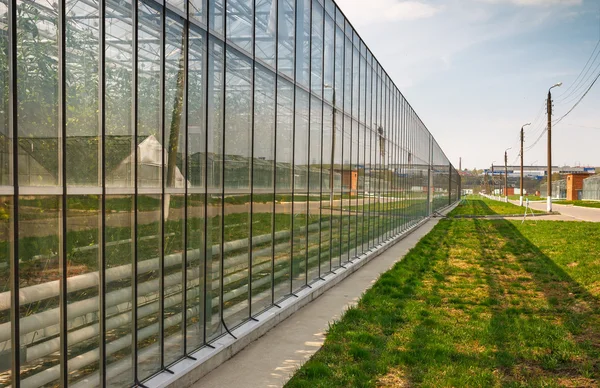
[188,371]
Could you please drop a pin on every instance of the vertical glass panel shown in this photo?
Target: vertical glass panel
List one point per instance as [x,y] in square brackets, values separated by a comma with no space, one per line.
[215,16]
[174,83]
[198,10]
[150,136]
[355,82]
[265,30]
[39,317]
[174,231]
[119,141]
[301,144]
[83,260]
[175,183]
[329,65]
[37,88]
[5,131]
[214,171]
[285,37]
[348,76]
[238,153]
[316,79]
[314,198]
[303,42]
[338,94]
[6,260]
[238,123]
[119,258]
[149,243]
[263,188]
[239,23]
[196,176]
[336,213]
[330,7]
[327,189]
[83,144]
[178,4]
[284,142]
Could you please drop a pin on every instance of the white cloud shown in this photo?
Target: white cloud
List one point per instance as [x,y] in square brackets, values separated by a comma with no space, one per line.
[386,10]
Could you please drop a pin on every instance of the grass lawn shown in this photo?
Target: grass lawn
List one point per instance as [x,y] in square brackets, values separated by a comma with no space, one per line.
[530,197]
[481,206]
[484,303]
[595,204]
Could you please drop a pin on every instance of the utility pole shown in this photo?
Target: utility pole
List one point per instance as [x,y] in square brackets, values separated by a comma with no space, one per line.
[506,176]
[522,180]
[549,109]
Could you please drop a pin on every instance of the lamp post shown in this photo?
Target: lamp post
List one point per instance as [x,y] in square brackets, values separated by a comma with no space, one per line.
[506,174]
[549,109]
[521,180]
[493,180]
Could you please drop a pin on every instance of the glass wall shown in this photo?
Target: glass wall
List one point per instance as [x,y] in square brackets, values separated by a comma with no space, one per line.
[170,170]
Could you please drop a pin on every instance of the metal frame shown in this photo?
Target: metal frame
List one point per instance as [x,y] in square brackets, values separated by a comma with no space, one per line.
[380,220]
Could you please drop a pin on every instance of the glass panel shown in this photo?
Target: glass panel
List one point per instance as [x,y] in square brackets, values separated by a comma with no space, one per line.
[119,140]
[83,260]
[119,257]
[301,143]
[285,37]
[6,260]
[83,143]
[314,199]
[283,187]
[303,42]
[5,131]
[175,178]
[263,187]
[196,176]
[316,52]
[239,23]
[265,30]
[37,88]
[214,170]
[338,94]
[238,153]
[150,136]
[198,10]
[329,68]
[39,243]
[327,189]
[215,16]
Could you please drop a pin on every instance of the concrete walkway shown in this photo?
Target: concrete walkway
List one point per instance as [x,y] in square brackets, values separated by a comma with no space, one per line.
[273,359]
[568,212]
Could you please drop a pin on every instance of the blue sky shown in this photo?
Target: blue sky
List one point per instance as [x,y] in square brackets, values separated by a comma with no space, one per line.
[476,70]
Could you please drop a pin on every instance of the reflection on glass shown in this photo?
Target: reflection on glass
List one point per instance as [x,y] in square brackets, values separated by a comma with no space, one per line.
[5,133]
[6,257]
[37,88]
[285,36]
[265,30]
[39,242]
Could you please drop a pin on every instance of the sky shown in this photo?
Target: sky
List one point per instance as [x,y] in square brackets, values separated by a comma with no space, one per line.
[475,71]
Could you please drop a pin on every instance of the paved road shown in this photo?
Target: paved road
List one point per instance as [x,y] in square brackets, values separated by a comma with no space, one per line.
[577,213]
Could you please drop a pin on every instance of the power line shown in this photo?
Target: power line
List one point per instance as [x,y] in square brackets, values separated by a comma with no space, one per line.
[564,95]
[577,103]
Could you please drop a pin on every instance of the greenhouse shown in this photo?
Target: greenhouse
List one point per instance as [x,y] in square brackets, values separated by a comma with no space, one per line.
[169,170]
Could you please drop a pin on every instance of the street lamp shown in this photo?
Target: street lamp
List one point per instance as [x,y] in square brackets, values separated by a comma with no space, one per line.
[506,174]
[549,105]
[521,179]
[493,180]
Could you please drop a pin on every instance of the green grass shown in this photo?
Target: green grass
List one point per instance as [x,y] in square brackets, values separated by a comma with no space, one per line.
[594,204]
[480,206]
[530,197]
[477,303]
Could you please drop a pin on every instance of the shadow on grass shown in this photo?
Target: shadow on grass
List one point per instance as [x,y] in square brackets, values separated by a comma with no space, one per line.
[544,324]
[474,304]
